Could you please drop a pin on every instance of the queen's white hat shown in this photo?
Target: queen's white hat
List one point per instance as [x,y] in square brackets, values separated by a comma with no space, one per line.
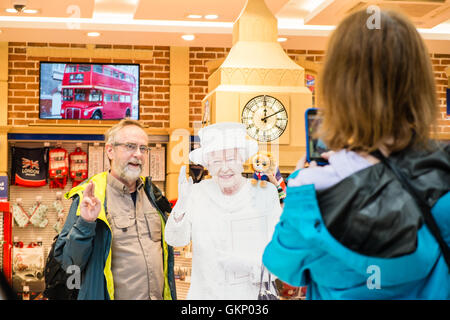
[222,136]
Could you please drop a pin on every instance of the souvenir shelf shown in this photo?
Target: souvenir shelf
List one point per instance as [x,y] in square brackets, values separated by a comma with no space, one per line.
[182,270]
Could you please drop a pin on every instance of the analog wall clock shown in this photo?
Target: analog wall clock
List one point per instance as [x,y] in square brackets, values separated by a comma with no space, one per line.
[265,118]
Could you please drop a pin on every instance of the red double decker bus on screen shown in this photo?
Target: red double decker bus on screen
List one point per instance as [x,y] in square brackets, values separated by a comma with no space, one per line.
[96,91]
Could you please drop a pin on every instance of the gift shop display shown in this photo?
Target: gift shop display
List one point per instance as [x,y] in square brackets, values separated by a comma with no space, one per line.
[78,166]
[35,215]
[59,208]
[58,167]
[39,213]
[29,166]
[28,268]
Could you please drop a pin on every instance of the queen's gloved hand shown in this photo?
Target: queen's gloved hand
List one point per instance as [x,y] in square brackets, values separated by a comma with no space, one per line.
[184,191]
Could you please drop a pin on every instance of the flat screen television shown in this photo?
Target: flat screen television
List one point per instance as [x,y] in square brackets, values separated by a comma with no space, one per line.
[88,91]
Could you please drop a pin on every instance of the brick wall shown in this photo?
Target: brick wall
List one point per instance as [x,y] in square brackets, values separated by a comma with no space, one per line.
[310,55]
[23,94]
[198,77]
[440,63]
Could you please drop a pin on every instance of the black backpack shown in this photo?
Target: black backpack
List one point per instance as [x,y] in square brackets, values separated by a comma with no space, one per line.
[56,278]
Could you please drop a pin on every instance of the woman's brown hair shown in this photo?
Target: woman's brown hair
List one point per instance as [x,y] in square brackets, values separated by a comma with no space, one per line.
[377,85]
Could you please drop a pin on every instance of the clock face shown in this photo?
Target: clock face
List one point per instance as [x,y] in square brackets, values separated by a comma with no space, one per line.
[265,118]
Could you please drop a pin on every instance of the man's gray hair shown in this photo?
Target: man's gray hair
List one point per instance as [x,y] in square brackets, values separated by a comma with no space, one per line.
[110,135]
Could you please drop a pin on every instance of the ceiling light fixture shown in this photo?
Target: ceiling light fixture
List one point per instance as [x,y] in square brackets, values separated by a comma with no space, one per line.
[211,16]
[195,16]
[188,37]
[311,5]
[18,9]
[281,39]
[93,34]
[30,11]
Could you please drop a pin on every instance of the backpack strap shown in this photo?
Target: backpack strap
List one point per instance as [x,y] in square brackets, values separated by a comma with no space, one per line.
[156,198]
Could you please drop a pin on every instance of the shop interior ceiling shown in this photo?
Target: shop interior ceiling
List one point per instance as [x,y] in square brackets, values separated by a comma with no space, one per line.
[163,22]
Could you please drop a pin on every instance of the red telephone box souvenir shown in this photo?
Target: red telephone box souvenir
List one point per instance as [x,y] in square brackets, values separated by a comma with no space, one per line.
[78,166]
[58,168]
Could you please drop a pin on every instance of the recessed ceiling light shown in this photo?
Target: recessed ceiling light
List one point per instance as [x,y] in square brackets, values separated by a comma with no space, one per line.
[93,34]
[311,5]
[281,39]
[20,9]
[195,16]
[188,37]
[211,16]
[30,11]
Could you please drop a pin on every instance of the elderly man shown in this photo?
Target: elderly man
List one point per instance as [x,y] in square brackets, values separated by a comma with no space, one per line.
[228,219]
[114,229]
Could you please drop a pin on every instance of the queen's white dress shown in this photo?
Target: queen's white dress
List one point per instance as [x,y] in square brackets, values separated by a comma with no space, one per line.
[233,228]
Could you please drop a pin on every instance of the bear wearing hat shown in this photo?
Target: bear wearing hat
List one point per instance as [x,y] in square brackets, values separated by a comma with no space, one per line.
[228,220]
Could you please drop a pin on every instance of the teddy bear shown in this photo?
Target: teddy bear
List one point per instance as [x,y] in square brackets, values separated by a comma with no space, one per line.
[263,164]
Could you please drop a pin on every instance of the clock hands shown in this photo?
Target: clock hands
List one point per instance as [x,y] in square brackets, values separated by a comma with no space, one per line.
[265,107]
[264,118]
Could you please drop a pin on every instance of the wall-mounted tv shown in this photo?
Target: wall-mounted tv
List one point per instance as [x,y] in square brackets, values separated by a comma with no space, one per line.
[88,91]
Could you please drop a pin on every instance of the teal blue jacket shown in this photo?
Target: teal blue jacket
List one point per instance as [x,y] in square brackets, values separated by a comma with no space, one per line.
[302,252]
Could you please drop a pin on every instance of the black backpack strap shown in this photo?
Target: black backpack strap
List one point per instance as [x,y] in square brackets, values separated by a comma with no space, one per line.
[156,198]
[423,205]
[160,199]
[105,206]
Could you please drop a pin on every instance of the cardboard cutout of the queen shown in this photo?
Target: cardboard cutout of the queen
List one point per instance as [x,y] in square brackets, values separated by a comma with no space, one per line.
[228,220]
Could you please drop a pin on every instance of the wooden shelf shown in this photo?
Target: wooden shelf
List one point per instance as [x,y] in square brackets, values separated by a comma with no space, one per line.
[72,129]
[81,128]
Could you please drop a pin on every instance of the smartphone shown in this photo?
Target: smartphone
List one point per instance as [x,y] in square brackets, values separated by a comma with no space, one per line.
[314,145]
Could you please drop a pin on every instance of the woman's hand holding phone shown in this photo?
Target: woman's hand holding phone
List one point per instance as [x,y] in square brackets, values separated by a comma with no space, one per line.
[302,162]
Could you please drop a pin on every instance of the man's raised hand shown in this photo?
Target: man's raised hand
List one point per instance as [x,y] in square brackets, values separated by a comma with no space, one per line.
[90,205]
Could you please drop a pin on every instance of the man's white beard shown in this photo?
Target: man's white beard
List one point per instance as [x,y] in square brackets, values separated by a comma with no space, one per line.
[130,174]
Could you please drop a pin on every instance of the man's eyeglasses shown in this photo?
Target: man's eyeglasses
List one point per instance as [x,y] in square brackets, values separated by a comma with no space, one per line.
[132,147]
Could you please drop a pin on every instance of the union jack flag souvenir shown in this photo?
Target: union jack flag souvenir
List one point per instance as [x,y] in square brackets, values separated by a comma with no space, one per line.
[29,166]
